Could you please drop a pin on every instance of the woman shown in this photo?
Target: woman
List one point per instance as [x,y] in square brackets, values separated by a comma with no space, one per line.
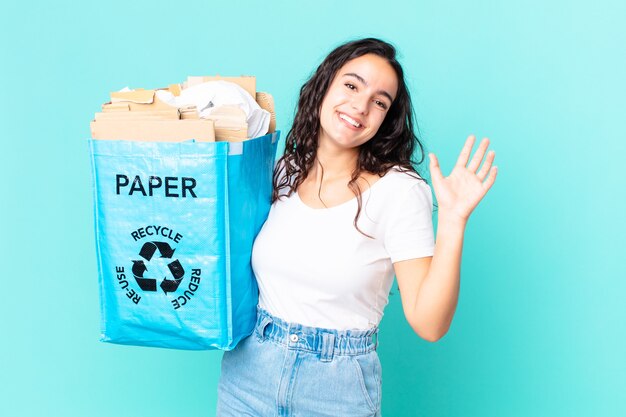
[349,212]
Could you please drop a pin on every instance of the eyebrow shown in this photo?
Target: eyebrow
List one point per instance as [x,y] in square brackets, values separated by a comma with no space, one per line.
[358,77]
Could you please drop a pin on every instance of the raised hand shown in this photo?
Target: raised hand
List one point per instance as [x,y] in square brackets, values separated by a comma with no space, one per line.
[460,192]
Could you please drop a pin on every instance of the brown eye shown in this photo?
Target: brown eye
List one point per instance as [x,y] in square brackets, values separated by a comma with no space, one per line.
[350,86]
[381,104]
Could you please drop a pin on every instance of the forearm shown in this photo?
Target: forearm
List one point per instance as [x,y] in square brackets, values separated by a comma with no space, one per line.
[438,295]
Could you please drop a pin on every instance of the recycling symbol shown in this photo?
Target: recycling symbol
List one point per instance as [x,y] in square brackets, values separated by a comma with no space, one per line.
[150,283]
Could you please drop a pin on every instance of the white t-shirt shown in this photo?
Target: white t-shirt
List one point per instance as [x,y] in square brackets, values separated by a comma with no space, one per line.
[314,268]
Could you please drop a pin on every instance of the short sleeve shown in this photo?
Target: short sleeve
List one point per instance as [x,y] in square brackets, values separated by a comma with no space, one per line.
[409,229]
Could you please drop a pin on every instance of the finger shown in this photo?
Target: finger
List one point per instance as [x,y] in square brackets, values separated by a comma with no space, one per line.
[465,152]
[479,155]
[486,166]
[435,171]
[490,179]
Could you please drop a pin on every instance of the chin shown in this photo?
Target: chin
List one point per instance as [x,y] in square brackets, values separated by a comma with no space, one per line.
[348,144]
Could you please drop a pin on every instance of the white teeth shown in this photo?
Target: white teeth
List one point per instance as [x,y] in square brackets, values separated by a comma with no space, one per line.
[349,120]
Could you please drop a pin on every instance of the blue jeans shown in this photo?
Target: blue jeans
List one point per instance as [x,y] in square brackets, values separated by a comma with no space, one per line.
[287,369]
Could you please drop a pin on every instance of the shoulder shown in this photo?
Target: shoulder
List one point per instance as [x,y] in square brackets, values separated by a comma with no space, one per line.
[400,190]
[400,180]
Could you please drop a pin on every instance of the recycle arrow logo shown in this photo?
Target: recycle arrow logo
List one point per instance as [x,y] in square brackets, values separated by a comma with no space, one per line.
[150,284]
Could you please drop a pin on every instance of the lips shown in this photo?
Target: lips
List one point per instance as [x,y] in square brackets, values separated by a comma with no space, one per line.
[347,123]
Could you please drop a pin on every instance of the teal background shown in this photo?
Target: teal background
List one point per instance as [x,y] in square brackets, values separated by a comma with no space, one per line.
[540,326]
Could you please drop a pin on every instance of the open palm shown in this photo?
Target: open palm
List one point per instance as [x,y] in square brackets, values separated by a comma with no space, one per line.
[460,192]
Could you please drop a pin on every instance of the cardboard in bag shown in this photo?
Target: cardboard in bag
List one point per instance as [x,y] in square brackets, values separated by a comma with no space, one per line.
[140,115]
[154,130]
[169,114]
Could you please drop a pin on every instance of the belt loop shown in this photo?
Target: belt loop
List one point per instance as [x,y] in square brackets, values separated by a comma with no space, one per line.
[260,328]
[328,347]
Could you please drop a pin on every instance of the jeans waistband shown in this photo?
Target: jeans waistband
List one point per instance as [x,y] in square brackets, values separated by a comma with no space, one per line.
[325,342]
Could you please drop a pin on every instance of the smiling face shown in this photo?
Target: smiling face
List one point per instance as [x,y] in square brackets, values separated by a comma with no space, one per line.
[357,102]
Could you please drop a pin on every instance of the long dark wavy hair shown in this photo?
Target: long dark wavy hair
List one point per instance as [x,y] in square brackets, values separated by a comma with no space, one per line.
[392,146]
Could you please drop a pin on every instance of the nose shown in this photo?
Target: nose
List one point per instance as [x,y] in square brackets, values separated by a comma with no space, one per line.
[359,103]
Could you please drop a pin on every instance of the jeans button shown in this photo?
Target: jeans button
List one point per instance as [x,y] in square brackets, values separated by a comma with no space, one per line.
[293,337]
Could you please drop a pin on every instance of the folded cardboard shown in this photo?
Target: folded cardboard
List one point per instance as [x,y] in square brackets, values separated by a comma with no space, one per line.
[154,130]
[138,96]
[266,101]
[231,135]
[140,115]
[136,100]
[167,114]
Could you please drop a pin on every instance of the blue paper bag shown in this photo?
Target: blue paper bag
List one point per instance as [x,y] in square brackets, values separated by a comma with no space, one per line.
[175,224]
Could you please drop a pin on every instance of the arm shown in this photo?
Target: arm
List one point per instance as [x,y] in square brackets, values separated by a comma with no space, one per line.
[429,287]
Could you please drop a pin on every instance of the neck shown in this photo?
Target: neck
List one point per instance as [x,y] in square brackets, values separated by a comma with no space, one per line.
[336,163]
